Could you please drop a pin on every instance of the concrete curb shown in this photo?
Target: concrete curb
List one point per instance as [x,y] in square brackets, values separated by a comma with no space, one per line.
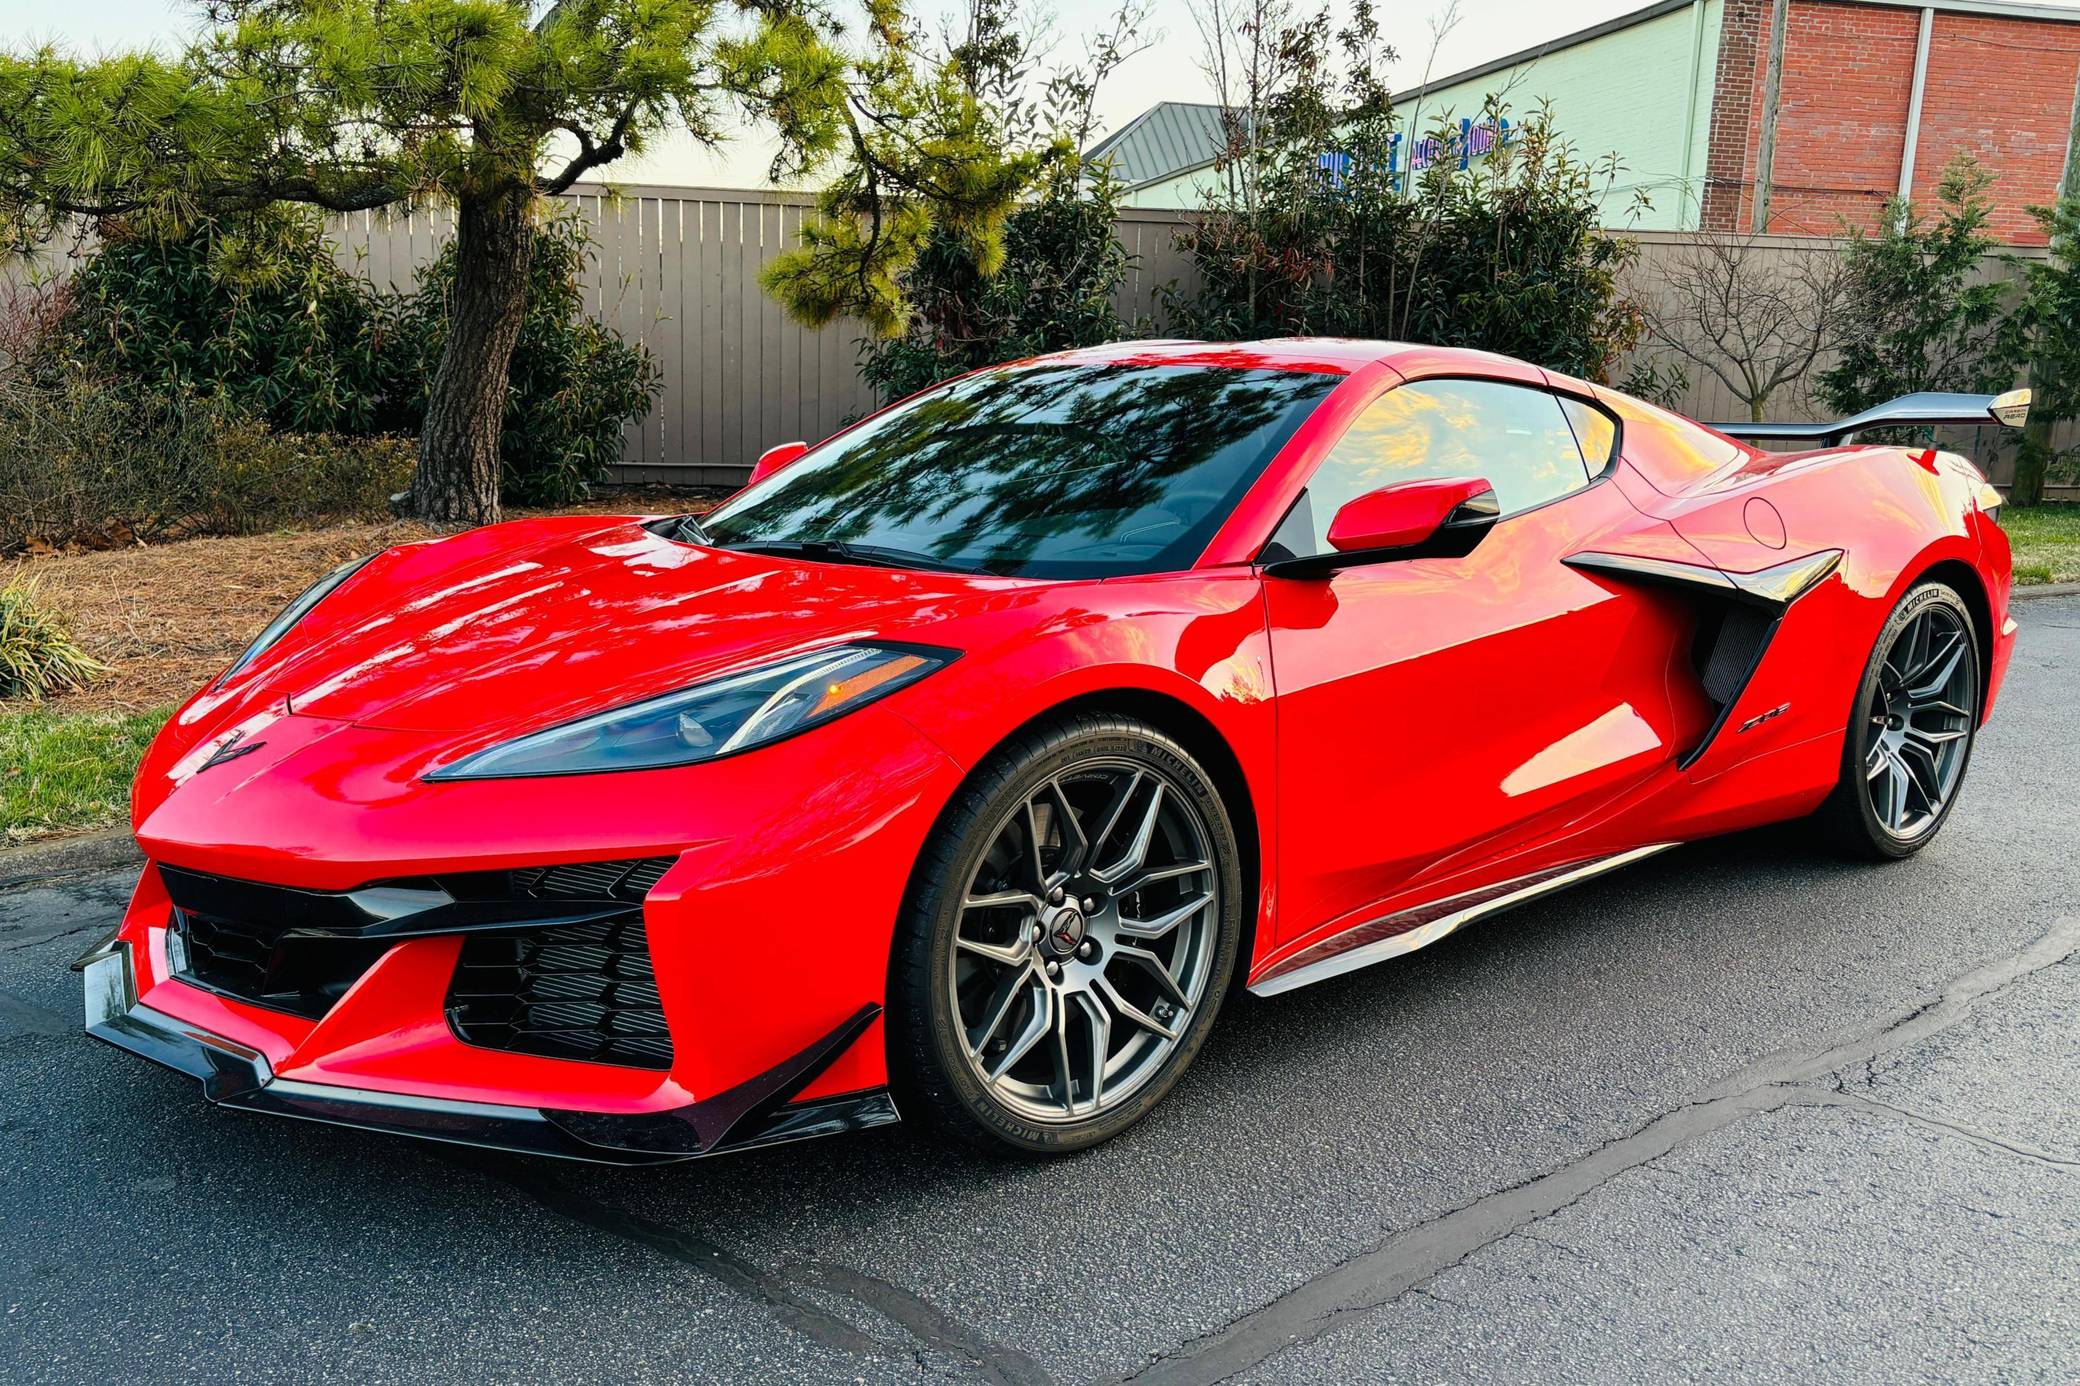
[37,862]
[2045,589]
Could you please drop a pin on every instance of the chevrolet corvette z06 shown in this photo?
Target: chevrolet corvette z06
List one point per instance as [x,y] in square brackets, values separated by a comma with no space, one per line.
[963,765]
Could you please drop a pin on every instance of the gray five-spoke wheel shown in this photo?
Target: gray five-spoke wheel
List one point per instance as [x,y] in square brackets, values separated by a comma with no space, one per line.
[1086,936]
[1921,717]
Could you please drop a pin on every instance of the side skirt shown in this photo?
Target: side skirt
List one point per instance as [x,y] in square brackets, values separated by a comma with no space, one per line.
[1393,935]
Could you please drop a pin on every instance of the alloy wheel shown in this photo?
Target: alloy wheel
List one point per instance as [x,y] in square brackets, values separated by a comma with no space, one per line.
[1086,936]
[1920,722]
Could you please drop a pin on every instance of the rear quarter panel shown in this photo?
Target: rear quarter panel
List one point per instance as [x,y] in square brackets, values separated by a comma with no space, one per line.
[1894,514]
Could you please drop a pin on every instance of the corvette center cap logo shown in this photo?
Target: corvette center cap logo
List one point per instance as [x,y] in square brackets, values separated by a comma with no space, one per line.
[1065,930]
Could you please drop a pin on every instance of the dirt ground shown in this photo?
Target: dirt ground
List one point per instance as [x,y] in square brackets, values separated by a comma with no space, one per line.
[166,617]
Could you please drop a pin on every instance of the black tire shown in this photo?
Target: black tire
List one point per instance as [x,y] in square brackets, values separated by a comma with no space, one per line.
[1850,818]
[935,1073]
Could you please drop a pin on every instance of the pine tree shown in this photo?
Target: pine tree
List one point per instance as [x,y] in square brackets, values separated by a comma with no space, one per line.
[490,106]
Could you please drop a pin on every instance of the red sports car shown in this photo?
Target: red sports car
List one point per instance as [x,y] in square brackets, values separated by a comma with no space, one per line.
[963,764]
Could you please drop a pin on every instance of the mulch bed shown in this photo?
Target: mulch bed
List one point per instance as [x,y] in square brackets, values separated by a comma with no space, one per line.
[167,617]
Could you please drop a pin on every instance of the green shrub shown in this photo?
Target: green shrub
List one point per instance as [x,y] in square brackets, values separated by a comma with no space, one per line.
[1508,255]
[259,315]
[37,656]
[1062,265]
[1918,312]
[1320,227]
[83,461]
[2042,345]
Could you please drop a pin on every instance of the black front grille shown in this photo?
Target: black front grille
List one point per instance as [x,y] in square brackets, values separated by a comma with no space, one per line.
[255,962]
[573,991]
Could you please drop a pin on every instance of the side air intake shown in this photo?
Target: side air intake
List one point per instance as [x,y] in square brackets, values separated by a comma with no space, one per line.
[1738,615]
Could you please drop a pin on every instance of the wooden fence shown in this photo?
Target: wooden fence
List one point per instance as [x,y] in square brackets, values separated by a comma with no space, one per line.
[1662,253]
[677,269]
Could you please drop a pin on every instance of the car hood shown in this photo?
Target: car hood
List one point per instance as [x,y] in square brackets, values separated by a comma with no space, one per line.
[525,625]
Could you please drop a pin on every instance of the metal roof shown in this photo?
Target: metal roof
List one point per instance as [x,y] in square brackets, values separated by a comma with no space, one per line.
[1165,140]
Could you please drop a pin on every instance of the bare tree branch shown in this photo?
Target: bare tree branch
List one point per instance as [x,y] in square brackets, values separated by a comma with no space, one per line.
[1757,318]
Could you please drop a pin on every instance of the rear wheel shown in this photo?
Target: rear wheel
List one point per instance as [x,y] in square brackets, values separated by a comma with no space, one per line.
[1911,732]
[1071,935]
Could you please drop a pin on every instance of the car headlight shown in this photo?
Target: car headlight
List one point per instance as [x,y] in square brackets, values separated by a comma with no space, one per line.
[292,613]
[707,721]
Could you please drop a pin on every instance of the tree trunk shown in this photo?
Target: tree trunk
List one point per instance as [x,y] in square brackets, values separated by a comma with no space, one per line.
[2031,458]
[457,478]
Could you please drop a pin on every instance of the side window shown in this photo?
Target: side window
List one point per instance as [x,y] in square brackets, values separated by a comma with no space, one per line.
[1594,430]
[1520,439]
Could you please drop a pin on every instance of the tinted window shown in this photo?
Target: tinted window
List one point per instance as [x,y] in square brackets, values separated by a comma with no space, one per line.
[1039,471]
[1516,437]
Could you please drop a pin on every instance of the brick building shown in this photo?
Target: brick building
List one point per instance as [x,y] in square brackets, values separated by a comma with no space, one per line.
[1874,98]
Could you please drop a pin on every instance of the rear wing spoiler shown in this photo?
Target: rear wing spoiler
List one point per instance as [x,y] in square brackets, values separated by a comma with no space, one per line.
[1926,409]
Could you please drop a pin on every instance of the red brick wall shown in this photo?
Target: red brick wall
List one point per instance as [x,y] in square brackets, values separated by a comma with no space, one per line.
[2001,88]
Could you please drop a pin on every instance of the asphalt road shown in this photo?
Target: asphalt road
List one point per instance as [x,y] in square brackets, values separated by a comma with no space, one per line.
[1739,1112]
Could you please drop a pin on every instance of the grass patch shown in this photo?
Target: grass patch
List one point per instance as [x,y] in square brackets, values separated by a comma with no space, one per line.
[2046,540]
[68,771]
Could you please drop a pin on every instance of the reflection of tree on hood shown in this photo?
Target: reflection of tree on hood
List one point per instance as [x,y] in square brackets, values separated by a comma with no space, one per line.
[1070,448]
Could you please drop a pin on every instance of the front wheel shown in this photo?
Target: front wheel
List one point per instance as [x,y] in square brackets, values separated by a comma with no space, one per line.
[1072,931]
[1911,729]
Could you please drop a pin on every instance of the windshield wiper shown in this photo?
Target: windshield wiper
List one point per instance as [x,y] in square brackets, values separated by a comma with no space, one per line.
[685,529]
[845,551]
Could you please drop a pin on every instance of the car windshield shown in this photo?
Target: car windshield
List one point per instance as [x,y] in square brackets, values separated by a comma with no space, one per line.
[1051,470]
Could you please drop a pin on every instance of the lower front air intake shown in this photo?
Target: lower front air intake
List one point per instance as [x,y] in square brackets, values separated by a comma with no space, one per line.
[577,991]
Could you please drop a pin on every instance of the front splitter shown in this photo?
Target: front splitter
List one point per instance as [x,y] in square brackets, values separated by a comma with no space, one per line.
[755,1113]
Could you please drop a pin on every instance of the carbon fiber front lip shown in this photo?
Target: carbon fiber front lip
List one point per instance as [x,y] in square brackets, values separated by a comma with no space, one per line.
[755,1113]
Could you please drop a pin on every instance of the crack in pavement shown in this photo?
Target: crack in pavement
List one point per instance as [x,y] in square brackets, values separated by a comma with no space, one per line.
[1375,1278]
[50,934]
[1935,1125]
[1002,1365]
[772,1292]
[780,1293]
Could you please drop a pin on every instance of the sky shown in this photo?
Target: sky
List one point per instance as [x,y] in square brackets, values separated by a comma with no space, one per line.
[1168,70]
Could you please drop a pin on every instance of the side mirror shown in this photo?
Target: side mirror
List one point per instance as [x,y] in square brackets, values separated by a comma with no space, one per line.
[774,458]
[1441,517]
